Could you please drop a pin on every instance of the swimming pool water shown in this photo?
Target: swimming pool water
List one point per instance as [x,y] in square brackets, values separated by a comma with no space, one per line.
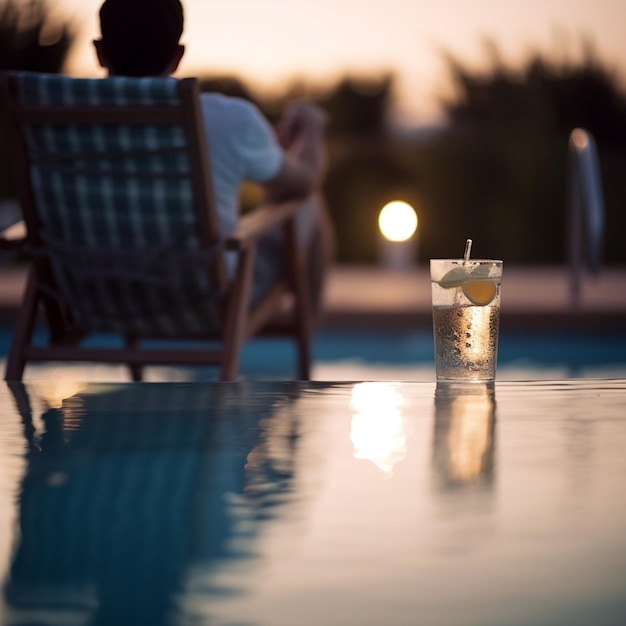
[341,503]
[390,355]
[521,356]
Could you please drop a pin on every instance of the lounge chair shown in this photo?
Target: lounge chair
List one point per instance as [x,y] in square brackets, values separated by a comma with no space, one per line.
[122,230]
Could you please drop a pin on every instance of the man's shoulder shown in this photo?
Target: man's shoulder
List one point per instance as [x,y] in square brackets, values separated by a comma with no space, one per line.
[227,106]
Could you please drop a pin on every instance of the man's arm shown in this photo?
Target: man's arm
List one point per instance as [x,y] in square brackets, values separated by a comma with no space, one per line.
[300,132]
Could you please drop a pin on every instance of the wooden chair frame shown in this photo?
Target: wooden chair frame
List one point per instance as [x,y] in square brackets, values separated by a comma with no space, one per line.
[239,322]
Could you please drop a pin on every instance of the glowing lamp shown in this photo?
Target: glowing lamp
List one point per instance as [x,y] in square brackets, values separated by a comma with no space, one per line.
[397,221]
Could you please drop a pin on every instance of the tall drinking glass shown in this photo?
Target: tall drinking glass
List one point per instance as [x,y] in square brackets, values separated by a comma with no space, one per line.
[466,317]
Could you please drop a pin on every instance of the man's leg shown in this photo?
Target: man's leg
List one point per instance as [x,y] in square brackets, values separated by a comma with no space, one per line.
[320,242]
[315,232]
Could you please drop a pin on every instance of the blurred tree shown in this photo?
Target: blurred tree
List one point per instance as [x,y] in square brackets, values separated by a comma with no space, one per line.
[365,167]
[498,174]
[30,41]
[359,106]
[365,174]
[564,94]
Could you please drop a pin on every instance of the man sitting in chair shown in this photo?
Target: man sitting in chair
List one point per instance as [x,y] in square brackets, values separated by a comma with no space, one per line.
[142,38]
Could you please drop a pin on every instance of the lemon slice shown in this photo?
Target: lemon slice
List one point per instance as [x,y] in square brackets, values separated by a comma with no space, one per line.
[480,292]
[480,271]
[453,278]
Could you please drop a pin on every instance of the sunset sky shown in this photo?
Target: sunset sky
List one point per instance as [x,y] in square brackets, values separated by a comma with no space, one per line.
[270,42]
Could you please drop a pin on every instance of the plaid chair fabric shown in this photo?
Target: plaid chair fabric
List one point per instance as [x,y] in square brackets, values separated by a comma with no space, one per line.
[114,180]
[117,211]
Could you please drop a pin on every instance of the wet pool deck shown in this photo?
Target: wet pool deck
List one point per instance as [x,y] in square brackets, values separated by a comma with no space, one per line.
[369,297]
[531,297]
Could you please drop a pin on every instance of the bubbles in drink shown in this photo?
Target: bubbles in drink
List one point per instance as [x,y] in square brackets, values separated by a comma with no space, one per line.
[466,341]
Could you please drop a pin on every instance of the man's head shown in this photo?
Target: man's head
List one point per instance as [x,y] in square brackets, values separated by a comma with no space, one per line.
[140,37]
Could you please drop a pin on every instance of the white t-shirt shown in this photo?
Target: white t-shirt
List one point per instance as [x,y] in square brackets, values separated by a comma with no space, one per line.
[242,146]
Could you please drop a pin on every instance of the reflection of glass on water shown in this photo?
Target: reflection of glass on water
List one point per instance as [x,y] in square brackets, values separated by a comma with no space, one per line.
[464,428]
[466,314]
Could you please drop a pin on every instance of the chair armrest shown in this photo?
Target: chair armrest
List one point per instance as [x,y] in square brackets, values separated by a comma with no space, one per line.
[12,237]
[261,220]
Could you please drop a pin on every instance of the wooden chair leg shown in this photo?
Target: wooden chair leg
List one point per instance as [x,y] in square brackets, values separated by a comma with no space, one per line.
[23,332]
[23,405]
[238,305]
[136,370]
[303,341]
[303,321]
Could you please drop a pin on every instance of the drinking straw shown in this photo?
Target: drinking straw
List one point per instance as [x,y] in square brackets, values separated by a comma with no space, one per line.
[468,250]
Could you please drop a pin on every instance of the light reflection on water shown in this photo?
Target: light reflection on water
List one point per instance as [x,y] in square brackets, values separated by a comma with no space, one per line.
[378,430]
[345,503]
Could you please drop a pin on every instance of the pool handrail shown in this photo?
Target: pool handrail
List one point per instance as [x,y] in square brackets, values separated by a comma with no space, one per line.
[585,210]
